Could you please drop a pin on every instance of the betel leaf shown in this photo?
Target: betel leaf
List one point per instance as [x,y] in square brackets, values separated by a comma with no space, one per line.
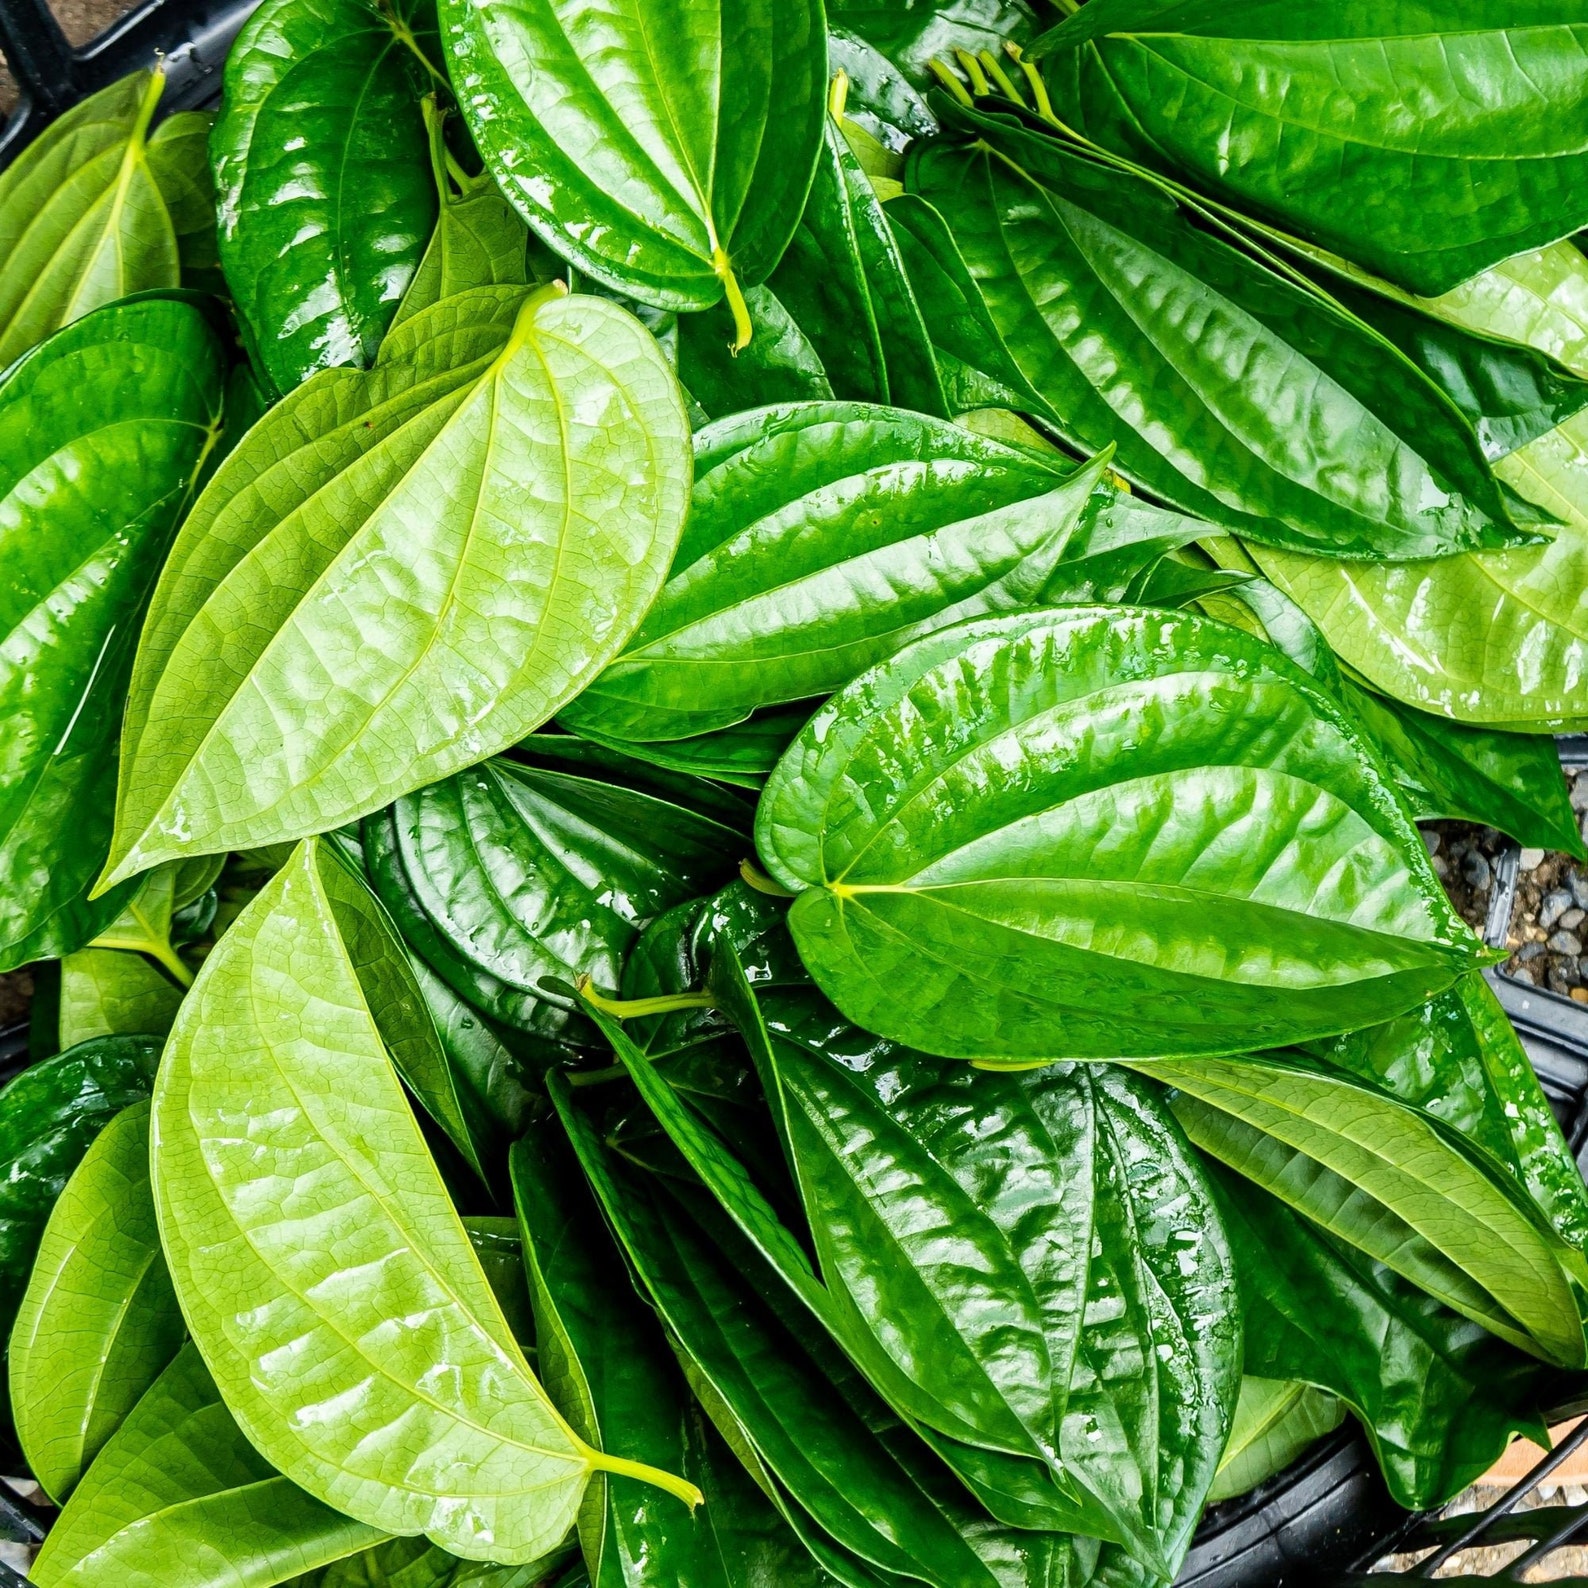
[780,365]
[416,1563]
[49,1116]
[1275,1421]
[1459,143]
[607,1364]
[742,755]
[178,1498]
[1438,1397]
[502,544]
[664,148]
[856,1486]
[1390,1180]
[103,431]
[824,536]
[179,159]
[1459,1058]
[978,1229]
[1501,638]
[277,1031]
[99,1320]
[912,33]
[325,196]
[1232,390]
[1100,831]
[94,209]
[106,993]
[526,873]
[498,1243]
[479,240]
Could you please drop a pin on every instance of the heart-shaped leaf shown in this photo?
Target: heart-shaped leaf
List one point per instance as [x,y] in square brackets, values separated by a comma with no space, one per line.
[448,584]
[1141,325]
[824,536]
[107,993]
[103,431]
[1095,830]
[1275,1421]
[663,146]
[326,200]
[1245,100]
[99,1320]
[279,1027]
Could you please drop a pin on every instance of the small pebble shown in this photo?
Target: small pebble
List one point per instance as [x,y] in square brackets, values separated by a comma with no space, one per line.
[1580,994]
[1441,867]
[1476,871]
[1529,952]
[1532,859]
[1577,881]
[1555,905]
[1573,918]
[1523,973]
[1565,943]
[1579,793]
[1431,842]
[1556,982]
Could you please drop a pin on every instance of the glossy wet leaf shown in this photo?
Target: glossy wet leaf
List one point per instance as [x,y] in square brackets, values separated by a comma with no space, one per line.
[95,209]
[823,537]
[99,1320]
[870,1491]
[416,1563]
[780,365]
[325,197]
[664,148]
[1275,1421]
[526,873]
[105,992]
[1231,391]
[742,755]
[178,1498]
[49,1117]
[305,1308]
[1459,143]
[1390,1180]
[972,885]
[103,430]
[450,537]
[179,159]
[499,1245]
[607,1364]
[1438,1397]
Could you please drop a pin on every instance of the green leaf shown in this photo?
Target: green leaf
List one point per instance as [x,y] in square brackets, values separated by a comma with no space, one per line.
[525,873]
[279,1026]
[1232,391]
[49,1117]
[608,1367]
[1390,1180]
[99,1320]
[843,281]
[1438,1397]
[431,560]
[178,1498]
[1459,1058]
[883,109]
[1245,101]
[479,240]
[911,32]
[103,430]
[416,1563]
[108,993]
[858,1488]
[824,536]
[1275,1421]
[498,1243]
[1098,831]
[742,755]
[325,197]
[779,366]
[88,212]
[179,160]
[665,148]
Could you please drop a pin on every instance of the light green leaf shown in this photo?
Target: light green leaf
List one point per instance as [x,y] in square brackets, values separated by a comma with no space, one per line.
[403,1399]
[99,1320]
[1089,832]
[105,992]
[178,1498]
[1275,1421]
[428,595]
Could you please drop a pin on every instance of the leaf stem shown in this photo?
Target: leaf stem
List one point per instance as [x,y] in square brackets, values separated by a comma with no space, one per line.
[838,96]
[743,330]
[949,78]
[613,1072]
[979,86]
[635,1008]
[994,69]
[679,1488]
[758,879]
[1039,89]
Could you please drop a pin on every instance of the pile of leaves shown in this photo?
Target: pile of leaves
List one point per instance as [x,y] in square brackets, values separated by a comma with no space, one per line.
[715,717]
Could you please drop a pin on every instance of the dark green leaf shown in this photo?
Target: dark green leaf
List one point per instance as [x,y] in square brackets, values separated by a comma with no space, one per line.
[1275,1421]
[1439,1398]
[99,1320]
[1459,142]
[742,755]
[1232,391]
[103,431]
[911,32]
[779,366]
[1096,830]
[498,1243]
[662,147]
[326,200]
[824,536]
[880,101]
[1392,1181]
[49,1116]
[180,1499]
[179,160]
